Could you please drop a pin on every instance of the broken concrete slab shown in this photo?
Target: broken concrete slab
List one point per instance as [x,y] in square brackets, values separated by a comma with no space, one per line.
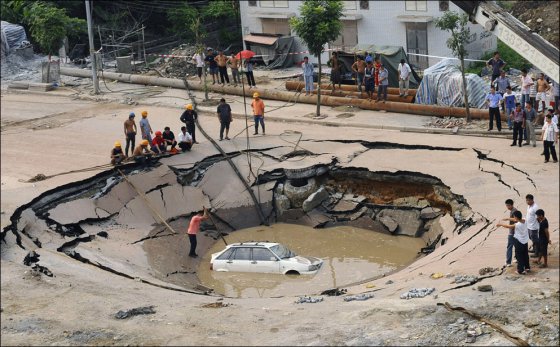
[345,206]
[319,219]
[389,223]
[430,212]
[409,221]
[315,199]
[281,203]
[76,211]
[358,213]
[298,191]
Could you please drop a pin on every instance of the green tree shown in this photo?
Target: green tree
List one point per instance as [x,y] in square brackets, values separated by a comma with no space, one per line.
[182,20]
[220,11]
[319,24]
[457,25]
[49,25]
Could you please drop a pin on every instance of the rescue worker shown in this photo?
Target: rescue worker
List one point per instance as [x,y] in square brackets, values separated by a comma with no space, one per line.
[185,140]
[188,117]
[258,112]
[146,127]
[194,228]
[142,152]
[117,155]
[158,143]
[169,139]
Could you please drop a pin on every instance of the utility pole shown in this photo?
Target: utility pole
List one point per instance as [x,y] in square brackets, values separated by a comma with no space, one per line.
[92,49]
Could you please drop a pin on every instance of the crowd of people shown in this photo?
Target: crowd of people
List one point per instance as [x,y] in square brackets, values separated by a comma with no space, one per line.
[166,142]
[534,227]
[523,115]
[218,64]
[371,74]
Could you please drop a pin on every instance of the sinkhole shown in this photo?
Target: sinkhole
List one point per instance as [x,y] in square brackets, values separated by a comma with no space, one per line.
[364,224]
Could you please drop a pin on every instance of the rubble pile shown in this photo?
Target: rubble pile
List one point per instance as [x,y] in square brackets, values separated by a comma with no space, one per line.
[176,67]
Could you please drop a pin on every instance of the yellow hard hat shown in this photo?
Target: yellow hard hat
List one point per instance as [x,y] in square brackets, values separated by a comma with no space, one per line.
[188,106]
[144,143]
[144,113]
[117,144]
[256,95]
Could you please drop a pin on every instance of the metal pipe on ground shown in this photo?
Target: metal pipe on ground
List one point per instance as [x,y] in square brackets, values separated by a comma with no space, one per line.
[347,88]
[399,107]
[298,86]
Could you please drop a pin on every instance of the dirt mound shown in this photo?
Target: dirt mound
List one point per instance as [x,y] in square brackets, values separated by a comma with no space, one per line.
[176,67]
[540,16]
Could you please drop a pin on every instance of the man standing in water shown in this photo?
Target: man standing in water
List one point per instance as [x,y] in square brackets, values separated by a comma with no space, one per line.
[194,227]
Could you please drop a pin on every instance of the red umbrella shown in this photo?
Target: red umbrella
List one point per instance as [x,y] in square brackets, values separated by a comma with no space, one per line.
[246,54]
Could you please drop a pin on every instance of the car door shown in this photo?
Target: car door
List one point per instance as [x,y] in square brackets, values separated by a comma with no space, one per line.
[264,261]
[240,261]
[221,262]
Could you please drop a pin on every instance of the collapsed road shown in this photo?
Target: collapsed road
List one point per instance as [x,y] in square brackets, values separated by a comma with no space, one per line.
[106,255]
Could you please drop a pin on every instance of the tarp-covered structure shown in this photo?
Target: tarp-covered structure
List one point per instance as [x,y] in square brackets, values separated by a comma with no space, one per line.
[272,49]
[390,57]
[13,36]
[442,85]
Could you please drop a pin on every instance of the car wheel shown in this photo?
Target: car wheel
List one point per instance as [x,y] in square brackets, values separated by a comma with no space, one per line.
[292,273]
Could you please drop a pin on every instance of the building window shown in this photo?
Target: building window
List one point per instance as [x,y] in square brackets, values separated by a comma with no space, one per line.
[349,36]
[253,3]
[274,3]
[417,43]
[364,4]
[275,26]
[349,5]
[444,5]
[416,5]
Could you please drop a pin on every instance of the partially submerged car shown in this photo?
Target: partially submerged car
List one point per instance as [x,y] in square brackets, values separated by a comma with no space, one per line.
[264,257]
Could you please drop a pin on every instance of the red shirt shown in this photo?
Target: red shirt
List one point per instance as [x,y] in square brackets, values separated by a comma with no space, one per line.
[194,225]
[158,141]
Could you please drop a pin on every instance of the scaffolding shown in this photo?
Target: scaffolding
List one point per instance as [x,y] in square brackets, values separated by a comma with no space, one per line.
[117,43]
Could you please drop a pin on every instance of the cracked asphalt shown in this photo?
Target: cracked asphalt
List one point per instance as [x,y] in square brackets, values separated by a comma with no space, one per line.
[76,305]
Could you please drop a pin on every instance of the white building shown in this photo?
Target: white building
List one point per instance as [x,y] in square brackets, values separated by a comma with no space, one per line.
[409,24]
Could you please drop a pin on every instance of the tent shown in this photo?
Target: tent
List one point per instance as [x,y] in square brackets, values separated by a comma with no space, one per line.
[390,57]
[442,85]
[13,36]
[272,49]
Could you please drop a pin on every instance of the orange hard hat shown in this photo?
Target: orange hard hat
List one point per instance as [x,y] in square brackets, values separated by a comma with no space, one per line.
[117,144]
[188,106]
[255,95]
[144,143]
[144,113]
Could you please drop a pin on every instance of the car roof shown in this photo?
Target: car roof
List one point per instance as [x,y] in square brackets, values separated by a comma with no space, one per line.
[254,244]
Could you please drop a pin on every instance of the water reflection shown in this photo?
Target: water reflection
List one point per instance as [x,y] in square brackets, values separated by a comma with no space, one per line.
[349,254]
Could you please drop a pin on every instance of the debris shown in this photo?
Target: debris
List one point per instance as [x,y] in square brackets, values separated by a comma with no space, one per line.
[389,282]
[217,304]
[38,177]
[389,223]
[485,288]
[135,312]
[370,285]
[417,293]
[31,257]
[465,278]
[309,300]
[41,269]
[334,292]
[103,234]
[359,297]
[430,212]
[487,270]
[531,322]
[436,275]
[315,199]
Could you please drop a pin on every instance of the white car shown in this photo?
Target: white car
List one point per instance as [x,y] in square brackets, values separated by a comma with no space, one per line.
[264,257]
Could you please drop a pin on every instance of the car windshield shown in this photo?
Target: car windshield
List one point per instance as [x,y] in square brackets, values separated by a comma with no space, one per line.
[282,251]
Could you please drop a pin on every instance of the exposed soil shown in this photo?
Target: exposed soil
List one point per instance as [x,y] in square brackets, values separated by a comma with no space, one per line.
[540,16]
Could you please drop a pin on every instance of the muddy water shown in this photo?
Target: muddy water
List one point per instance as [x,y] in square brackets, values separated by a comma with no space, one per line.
[349,255]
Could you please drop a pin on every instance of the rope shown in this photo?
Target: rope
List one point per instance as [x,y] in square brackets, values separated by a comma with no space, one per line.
[224,154]
[42,177]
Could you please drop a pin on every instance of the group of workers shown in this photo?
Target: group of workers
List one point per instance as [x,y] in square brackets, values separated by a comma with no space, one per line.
[165,142]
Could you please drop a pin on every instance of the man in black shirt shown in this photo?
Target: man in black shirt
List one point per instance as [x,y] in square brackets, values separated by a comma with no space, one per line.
[169,138]
[224,115]
[544,239]
[188,117]
[212,65]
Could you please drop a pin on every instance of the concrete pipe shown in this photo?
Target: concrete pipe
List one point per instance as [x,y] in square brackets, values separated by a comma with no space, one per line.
[295,85]
[349,88]
[400,107]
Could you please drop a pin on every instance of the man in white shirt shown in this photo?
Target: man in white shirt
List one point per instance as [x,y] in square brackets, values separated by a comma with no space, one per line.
[185,139]
[198,59]
[532,222]
[550,139]
[555,115]
[526,83]
[308,70]
[520,242]
[404,78]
